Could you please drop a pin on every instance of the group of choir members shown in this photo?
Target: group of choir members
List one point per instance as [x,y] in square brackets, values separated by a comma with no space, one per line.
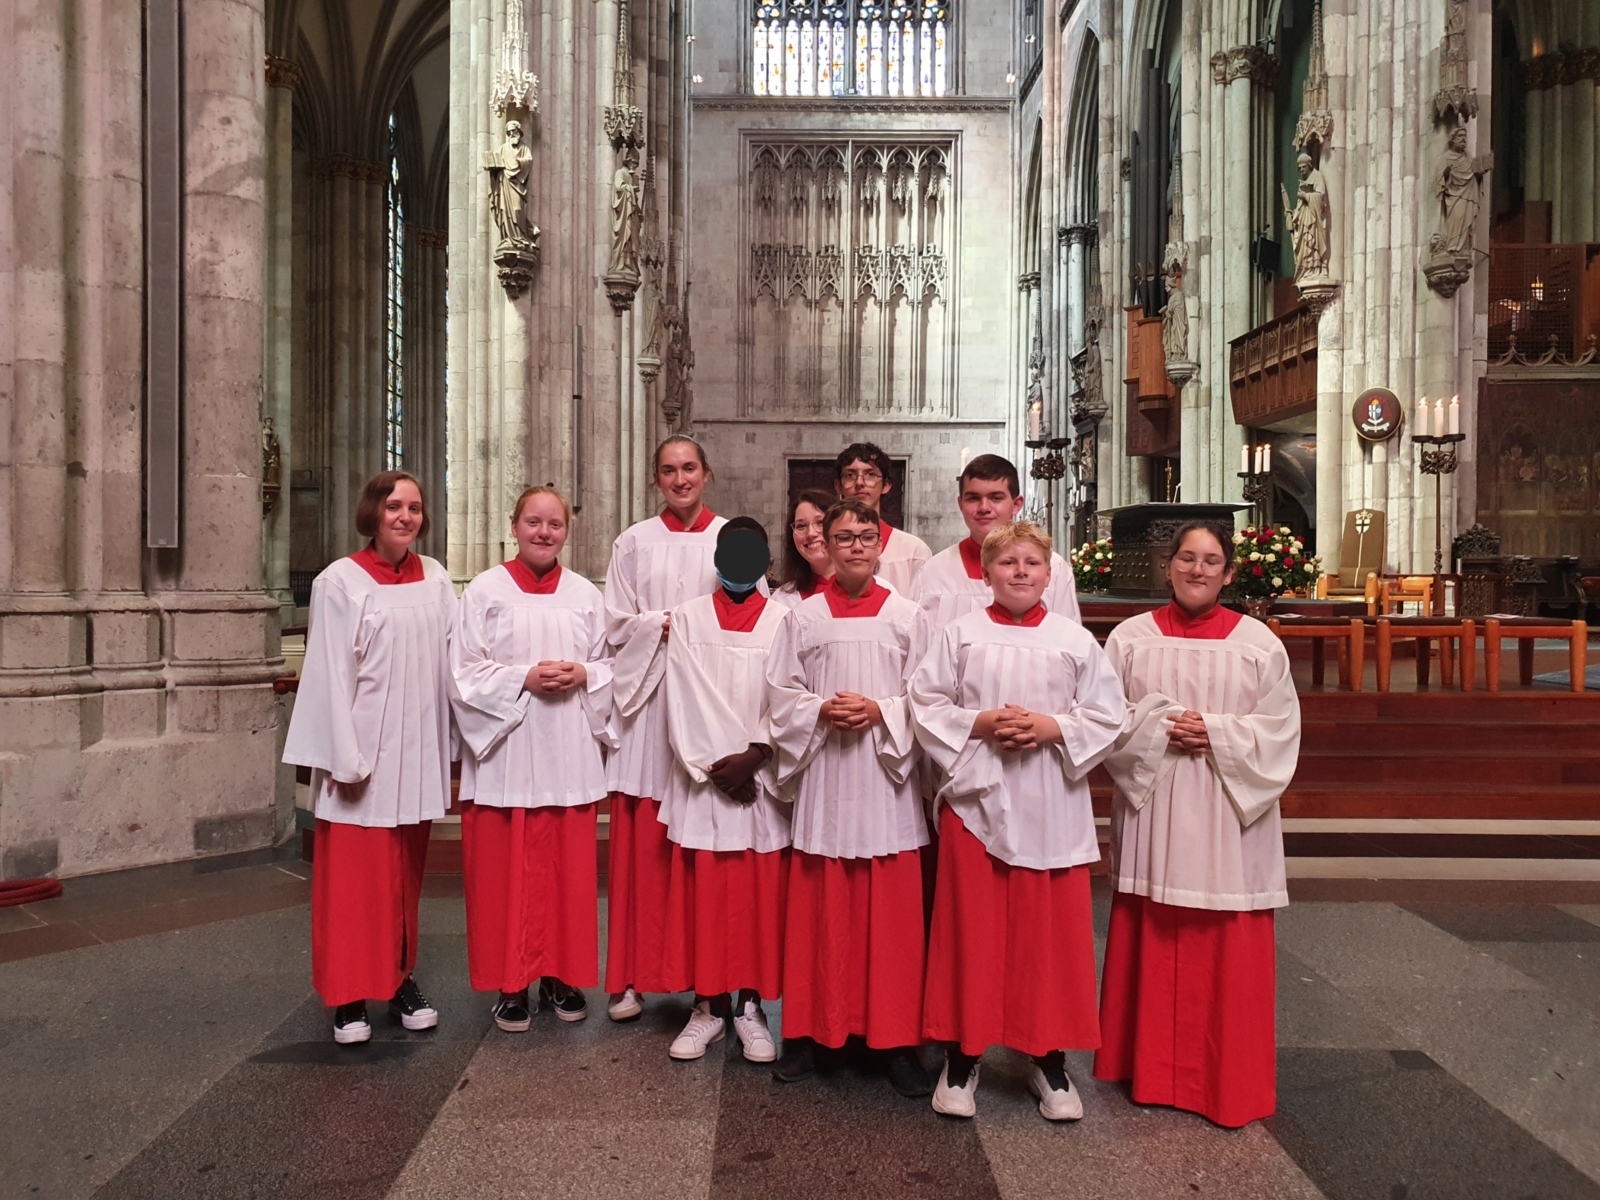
[865,793]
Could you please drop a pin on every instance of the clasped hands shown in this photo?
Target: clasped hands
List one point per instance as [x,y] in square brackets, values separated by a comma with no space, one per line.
[1015,728]
[735,774]
[851,711]
[552,678]
[1188,734]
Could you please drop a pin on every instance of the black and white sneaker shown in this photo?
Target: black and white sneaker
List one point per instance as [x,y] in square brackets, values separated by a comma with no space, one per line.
[350,1024]
[511,1012]
[412,1007]
[569,1003]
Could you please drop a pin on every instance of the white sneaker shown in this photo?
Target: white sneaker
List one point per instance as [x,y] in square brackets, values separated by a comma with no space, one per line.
[702,1030]
[1055,1104]
[754,1036]
[956,1101]
[625,1007]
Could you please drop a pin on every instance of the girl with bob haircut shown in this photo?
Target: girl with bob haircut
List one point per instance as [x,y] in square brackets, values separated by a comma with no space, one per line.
[372,721]
[656,565]
[533,677]
[1016,704]
[806,564]
[1211,740]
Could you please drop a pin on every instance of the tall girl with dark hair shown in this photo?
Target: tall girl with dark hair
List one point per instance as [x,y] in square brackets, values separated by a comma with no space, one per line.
[372,721]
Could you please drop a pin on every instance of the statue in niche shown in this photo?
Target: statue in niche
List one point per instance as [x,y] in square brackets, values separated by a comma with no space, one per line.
[679,361]
[1458,183]
[625,215]
[1174,260]
[1093,369]
[1308,222]
[509,168]
[271,455]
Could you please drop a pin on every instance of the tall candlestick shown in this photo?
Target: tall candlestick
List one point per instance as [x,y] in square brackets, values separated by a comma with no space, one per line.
[1455,414]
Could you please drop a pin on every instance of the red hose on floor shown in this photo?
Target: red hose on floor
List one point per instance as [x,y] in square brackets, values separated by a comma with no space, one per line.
[28,891]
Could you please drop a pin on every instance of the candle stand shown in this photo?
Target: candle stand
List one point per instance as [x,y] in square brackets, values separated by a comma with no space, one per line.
[1257,491]
[1440,461]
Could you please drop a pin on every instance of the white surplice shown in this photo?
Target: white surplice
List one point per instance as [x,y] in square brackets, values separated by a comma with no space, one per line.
[653,570]
[945,591]
[715,692]
[904,555]
[1203,831]
[855,793]
[1029,808]
[372,713]
[523,750]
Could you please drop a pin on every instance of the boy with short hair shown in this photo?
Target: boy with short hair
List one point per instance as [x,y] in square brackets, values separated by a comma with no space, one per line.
[862,473]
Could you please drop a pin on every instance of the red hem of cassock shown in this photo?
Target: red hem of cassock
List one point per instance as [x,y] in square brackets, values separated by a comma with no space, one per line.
[638,871]
[366,885]
[1188,1008]
[532,895]
[725,922]
[1011,956]
[853,949]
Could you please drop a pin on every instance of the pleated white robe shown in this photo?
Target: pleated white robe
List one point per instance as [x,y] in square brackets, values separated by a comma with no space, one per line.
[373,706]
[523,750]
[904,556]
[1202,831]
[653,570]
[1029,808]
[945,591]
[855,793]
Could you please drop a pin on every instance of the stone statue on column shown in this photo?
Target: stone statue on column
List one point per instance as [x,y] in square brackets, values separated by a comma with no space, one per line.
[625,215]
[1175,313]
[1458,185]
[1308,221]
[509,168]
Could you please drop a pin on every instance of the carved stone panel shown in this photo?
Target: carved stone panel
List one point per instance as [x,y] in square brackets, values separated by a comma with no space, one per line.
[848,279]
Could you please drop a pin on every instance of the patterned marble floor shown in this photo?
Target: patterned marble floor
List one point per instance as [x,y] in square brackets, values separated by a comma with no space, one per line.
[163,1041]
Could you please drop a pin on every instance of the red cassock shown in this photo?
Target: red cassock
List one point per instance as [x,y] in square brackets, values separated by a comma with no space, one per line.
[638,877]
[366,884]
[853,949]
[724,927]
[531,891]
[1011,956]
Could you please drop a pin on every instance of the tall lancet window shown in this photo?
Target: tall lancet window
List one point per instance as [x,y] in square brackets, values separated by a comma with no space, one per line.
[826,48]
[394,420]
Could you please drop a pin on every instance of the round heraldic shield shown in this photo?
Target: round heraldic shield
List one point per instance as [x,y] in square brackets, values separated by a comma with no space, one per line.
[1377,415]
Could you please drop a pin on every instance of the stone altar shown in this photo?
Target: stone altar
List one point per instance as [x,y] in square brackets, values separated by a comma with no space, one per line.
[1139,537]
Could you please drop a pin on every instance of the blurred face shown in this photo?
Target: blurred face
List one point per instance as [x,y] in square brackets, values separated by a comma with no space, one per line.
[541,532]
[987,503]
[681,477]
[1018,577]
[854,546]
[809,540]
[1198,572]
[400,521]
[864,482]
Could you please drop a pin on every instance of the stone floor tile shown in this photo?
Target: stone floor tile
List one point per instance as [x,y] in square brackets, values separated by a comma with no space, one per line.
[1381,945]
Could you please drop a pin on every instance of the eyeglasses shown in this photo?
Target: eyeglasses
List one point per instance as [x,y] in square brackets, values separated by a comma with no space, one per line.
[866,477]
[867,537]
[1211,566]
[807,526]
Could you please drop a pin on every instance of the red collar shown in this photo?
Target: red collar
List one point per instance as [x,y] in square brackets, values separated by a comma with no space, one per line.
[816,586]
[738,616]
[670,519]
[971,557]
[1001,615]
[886,530]
[409,570]
[840,603]
[1212,626]
[530,581]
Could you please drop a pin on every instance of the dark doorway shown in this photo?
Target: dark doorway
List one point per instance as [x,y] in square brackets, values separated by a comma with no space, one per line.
[818,473]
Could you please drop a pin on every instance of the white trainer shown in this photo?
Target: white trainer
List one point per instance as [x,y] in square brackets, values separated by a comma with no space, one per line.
[702,1030]
[956,1101]
[1055,1104]
[625,1007]
[754,1036]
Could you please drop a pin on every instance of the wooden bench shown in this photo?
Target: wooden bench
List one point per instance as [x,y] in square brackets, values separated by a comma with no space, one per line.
[1426,630]
[1526,631]
[1351,636]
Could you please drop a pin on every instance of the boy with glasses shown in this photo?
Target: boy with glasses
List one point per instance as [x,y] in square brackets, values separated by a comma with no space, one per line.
[861,473]
[853,929]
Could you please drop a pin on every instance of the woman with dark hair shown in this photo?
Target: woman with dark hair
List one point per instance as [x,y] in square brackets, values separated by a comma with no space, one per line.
[533,678]
[806,564]
[656,565]
[372,721]
[1212,740]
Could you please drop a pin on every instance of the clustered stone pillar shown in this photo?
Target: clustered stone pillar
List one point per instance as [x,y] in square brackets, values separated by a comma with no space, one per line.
[282,76]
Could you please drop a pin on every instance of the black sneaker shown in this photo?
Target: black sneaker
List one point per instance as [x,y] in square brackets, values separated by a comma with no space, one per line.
[350,1024]
[798,1060]
[412,1007]
[906,1073]
[569,1003]
[511,1012]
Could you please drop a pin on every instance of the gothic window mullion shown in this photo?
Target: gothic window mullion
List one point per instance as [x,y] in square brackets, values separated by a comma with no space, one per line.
[826,48]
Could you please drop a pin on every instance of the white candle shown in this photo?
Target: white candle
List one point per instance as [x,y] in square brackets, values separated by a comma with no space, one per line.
[1421,429]
[1438,417]
[1455,414]
[1244,459]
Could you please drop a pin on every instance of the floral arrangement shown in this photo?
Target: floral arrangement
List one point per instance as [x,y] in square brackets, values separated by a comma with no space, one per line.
[1091,566]
[1272,561]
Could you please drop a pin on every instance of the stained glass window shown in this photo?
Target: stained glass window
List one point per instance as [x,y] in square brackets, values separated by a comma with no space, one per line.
[394,423]
[850,48]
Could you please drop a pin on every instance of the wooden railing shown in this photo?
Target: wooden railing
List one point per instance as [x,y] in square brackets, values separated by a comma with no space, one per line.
[1544,302]
[1272,370]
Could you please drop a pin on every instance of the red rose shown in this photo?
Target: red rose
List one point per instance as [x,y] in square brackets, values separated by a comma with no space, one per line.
[1287,563]
[1263,539]
[1257,571]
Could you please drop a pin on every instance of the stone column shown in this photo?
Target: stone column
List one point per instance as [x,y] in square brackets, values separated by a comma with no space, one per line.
[282,76]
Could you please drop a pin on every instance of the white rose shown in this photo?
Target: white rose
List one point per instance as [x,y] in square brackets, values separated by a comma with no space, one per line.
[1255,556]
[1276,581]
[1271,558]
[1237,538]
